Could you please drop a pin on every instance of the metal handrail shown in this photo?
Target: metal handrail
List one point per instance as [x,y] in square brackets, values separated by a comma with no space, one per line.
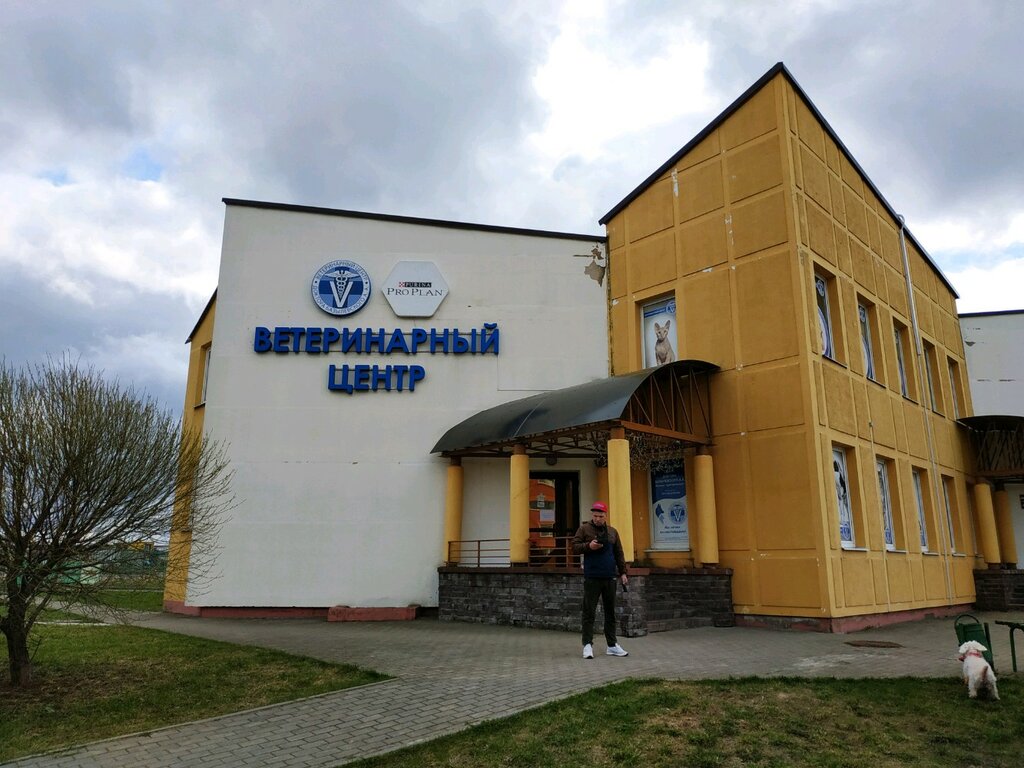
[495,553]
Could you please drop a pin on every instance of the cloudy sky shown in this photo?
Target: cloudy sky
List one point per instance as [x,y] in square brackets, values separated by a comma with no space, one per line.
[123,124]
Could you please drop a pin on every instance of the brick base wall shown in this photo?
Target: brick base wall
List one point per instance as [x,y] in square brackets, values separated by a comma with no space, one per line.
[657,600]
[999,590]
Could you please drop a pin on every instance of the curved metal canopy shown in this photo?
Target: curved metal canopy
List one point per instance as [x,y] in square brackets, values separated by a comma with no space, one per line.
[664,400]
[998,445]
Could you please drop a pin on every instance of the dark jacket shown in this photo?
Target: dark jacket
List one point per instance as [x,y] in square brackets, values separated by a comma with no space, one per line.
[605,563]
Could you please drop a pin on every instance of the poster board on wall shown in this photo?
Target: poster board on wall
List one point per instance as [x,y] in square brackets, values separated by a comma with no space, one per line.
[659,329]
[670,524]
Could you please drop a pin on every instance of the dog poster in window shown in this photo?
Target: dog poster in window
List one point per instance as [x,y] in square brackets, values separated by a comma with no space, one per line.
[659,332]
[670,525]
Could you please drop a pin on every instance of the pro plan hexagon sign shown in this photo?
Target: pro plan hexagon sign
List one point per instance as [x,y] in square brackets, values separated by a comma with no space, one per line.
[415,289]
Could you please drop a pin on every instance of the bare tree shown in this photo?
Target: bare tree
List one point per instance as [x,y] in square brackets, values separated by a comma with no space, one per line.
[88,471]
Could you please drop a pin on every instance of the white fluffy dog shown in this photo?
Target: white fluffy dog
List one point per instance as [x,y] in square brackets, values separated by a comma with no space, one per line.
[978,675]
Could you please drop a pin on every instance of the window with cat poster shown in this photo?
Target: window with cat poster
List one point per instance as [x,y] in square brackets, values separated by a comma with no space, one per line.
[659,332]
[670,525]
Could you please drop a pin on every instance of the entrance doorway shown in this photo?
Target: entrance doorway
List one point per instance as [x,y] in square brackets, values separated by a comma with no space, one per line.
[554,516]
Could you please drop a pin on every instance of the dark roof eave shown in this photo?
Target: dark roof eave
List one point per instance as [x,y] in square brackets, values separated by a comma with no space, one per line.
[779,68]
[412,220]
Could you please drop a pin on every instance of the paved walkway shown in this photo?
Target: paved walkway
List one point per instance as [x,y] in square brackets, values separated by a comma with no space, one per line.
[449,676]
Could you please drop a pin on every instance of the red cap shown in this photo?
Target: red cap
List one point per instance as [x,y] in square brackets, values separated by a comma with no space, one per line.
[599,506]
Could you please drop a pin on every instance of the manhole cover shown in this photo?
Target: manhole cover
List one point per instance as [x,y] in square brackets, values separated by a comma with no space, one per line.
[873,644]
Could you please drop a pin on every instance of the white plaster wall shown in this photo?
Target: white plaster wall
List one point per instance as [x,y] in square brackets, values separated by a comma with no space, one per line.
[339,500]
[994,346]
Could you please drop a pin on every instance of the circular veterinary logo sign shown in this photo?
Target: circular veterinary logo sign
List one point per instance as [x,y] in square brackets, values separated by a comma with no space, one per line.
[341,287]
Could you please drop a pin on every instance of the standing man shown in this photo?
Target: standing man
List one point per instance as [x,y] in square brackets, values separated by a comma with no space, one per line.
[603,565]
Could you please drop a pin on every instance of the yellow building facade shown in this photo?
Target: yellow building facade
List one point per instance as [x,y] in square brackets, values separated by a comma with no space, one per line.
[790,272]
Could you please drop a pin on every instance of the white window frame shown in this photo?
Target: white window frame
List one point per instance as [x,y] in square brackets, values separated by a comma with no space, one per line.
[888,529]
[841,475]
[824,317]
[949,512]
[951,365]
[921,522]
[900,363]
[864,319]
[929,361]
[206,372]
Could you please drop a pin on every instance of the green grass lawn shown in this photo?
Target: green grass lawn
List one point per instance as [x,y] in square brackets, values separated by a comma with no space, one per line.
[751,722]
[133,599]
[96,681]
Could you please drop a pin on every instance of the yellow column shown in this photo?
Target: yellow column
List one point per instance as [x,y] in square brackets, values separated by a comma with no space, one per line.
[620,502]
[705,510]
[1004,525]
[519,506]
[452,510]
[986,523]
[602,484]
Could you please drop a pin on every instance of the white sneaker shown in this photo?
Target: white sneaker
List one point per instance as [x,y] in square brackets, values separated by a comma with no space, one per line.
[617,650]
[588,651]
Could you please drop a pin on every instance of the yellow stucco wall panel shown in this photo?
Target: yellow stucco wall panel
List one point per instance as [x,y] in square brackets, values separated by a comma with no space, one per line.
[744,579]
[766,309]
[881,286]
[815,178]
[819,233]
[732,495]
[621,352]
[790,582]
[838,204]
[896,285]
[842,248]
[755,118]
[725,405]
[809,129]
[917,442]
[794,150]
[782,507]
[616,232]
[651,212]
[839,402]
[773,396]
[702,243]
[924,312]
[880,580]
[709,147]
[858,583]
[899,423]
[754,168]
[890,246]
[934,577]
[863,411]
[856,215]
[901,581]
[759,224]
[819,388]
[873,236]
[617,286]
[832,156]
[863,266]
[652,262]
[706,330]
[880,403]
[700,190]
[850,176]
[963,578]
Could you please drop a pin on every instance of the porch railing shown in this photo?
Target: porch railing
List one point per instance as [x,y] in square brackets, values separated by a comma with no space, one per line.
[548,553]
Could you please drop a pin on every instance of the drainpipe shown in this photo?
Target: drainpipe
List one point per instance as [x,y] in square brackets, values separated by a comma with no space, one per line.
[922,375]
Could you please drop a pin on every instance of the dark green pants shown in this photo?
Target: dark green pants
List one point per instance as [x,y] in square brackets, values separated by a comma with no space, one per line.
[605,589]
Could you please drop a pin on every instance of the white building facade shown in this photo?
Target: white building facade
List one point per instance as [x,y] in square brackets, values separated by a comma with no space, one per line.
[344,346]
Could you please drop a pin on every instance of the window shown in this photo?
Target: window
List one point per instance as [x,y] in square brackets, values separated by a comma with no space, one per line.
[923,518]
[931,371]
[205,352]
[952,513]
[955,388]
[842,480]
[825,325]
[893,538]
[864,319]
[903,353]
[659,330]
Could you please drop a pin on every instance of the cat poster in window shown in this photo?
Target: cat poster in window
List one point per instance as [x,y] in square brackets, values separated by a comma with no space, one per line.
[659,330]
